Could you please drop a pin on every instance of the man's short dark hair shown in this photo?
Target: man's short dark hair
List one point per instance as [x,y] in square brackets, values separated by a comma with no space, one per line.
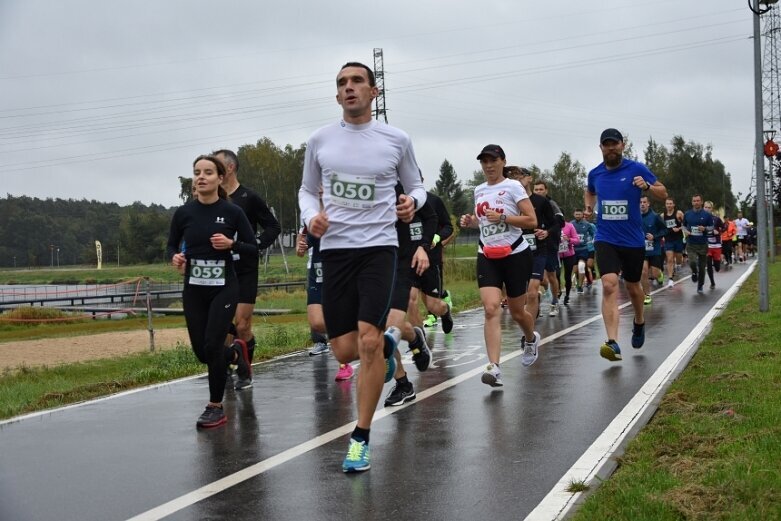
[541,182]
[230,155]
[369,72]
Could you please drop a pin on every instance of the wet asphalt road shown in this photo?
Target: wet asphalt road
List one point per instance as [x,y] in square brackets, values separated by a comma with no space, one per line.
[462,450]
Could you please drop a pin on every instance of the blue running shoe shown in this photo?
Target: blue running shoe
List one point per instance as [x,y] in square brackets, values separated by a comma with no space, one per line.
[638,335]
[358,456]
[610,351]
[392,339]
[390,368]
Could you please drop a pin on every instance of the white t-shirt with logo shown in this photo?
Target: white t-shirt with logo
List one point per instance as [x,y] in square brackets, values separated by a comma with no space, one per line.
[502,197]
[358,167]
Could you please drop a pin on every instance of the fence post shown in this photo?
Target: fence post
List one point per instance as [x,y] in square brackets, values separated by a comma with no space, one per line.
[149,315]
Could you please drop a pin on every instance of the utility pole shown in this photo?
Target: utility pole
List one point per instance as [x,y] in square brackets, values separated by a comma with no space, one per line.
[764,286]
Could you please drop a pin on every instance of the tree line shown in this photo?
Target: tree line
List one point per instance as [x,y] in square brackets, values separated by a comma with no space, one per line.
[31,229]
[50,232]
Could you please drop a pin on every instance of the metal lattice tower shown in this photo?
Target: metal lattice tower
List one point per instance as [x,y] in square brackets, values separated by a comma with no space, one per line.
[771,77]
[379,76]
[771,80]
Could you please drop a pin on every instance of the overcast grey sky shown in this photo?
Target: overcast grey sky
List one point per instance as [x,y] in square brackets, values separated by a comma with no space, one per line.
[111,100]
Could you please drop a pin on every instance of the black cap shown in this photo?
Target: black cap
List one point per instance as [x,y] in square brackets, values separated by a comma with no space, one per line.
[611,134]
[492,150]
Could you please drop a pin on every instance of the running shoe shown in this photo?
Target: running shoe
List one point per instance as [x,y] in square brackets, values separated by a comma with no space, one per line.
[358,456]
[320,348]
[390,368]
[638,335]
[421,355]
[580,290]
[530,350]
[212,416]
[392,338]
[448,300]
[694,276]
[588,285]
[447,321]
[243,364]
[566,300]
[492,376]
[243,383]
[400,394]
[712,285]
[430,321]
[647,300]
[504,303]
[699,289]
[345,372]
[660,280]
[610,351]
[670,283]
[554,310]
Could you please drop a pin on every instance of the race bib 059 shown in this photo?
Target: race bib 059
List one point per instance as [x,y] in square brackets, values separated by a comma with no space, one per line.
[207,272]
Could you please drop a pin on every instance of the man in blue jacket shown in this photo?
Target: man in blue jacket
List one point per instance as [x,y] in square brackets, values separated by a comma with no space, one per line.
[697,225]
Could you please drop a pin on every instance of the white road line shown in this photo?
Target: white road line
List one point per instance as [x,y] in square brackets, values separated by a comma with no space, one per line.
[223,484]
[558,503]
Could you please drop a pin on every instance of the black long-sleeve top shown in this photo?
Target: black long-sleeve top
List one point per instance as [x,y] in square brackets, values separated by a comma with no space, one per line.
[444,226]
[194,223]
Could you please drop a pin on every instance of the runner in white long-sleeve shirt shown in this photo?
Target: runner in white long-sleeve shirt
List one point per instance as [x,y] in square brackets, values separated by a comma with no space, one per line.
[358,162]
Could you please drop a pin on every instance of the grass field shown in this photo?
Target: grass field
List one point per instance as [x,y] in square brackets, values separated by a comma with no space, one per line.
[713,448]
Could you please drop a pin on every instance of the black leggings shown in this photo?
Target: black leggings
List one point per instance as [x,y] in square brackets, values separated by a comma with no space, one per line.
[209,312]
[569,264]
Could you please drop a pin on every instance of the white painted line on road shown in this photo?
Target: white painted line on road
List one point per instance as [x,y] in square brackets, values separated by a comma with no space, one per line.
[223,484]
[558,503]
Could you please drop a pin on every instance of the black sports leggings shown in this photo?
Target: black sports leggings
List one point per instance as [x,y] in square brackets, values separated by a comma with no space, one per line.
[209,312]
[569,264]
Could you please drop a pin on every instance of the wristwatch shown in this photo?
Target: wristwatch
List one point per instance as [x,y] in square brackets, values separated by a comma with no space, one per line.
[502,218]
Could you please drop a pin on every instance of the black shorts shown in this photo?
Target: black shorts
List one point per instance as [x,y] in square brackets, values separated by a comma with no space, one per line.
[314,284]
[552,261]
[538,265]
[430,282]
[248,286]
[581,255]
[743,239]
[512,272]
[357,286]
[654,261]
[620,259]
[404,274]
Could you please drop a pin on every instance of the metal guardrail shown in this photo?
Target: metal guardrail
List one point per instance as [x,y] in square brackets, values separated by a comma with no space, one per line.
[110,298]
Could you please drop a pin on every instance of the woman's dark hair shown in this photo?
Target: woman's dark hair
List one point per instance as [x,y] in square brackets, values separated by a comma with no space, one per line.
[221,193]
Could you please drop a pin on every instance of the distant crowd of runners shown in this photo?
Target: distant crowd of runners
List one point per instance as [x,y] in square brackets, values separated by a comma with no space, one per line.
[374,239]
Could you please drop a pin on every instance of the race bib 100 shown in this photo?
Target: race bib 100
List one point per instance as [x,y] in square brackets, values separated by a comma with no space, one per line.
[617,210]
[207,272]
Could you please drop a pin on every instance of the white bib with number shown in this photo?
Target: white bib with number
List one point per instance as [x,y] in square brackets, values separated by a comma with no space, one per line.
[415,231]
[532,240]
[563,246]
[492,231]
[649,245]
[207,272]
[615,210]
[353,191]
[318,267]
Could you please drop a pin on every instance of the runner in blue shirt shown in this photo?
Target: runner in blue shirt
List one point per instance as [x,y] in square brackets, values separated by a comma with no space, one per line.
[613,193]
[697,225]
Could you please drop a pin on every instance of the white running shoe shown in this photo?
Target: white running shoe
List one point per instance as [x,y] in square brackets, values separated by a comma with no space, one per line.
[530,350]
[554,310]
[492,376]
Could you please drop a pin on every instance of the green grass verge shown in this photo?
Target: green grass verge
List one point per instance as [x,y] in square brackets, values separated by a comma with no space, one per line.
[27,389]
[712,449]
